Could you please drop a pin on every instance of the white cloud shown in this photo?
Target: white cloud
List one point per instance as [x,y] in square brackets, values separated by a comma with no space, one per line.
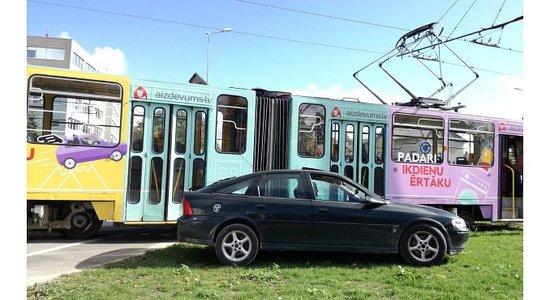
[336,92]
[106,59]
[64,35]
[112,60]
[501,97]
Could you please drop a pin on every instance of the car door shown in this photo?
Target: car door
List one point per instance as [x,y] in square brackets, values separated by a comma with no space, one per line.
[339,219]
[280,207]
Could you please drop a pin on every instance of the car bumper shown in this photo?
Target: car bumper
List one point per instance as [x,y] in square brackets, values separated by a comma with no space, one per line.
[197,230]
[458,242]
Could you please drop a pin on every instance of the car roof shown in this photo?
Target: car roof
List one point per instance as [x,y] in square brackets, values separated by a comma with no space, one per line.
[308,170]
[230,180]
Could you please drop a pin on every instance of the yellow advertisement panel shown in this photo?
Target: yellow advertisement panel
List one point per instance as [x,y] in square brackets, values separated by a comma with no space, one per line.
[76,138]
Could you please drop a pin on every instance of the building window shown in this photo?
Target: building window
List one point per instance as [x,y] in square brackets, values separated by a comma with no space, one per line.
[31,53]
[78,61]
[46,53]
[89,68]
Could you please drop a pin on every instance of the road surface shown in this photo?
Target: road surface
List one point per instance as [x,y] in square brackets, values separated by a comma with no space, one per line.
[51,256]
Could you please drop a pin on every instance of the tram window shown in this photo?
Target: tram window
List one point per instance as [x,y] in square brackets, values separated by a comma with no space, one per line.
[471,142]
[198,174]
[311,130]
[231,124]
[365,144]
[178,183]
[135,180]
[200,133]
[59,109]
[158,130]
[365,177]
[335,142]
[350,144]
[379,181]
[181,131]
[379,140]
[417,139]
[138,117]
[348,171]
[155,186]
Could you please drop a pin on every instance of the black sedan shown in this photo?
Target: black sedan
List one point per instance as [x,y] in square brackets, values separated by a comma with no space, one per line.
[311,210]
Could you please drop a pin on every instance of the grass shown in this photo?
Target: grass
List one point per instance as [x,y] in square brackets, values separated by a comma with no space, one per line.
[491,267]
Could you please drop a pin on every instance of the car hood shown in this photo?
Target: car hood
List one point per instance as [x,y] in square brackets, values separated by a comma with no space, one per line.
[419,210]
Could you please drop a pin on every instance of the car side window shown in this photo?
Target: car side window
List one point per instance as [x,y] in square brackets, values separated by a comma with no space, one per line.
[328,188]
[281,186]
[238,188]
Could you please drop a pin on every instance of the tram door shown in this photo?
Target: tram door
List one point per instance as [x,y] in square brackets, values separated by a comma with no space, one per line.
[511,177]
[357,152]
[167,151]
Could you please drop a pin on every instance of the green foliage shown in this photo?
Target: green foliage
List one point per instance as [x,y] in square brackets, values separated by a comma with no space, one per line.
[491,267]
[262,275]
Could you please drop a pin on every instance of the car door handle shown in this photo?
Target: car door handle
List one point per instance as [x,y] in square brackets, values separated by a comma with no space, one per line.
[260,206]
[323,210]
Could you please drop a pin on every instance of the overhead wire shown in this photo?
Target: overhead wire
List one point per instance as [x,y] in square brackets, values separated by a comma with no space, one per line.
[323,15]
[447,11]
[460,21]
[305,42]
[498,14]
[247,33]
[205,27]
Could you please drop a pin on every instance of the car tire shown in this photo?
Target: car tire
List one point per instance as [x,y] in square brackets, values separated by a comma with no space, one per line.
[423,245]
[116,155]
[236,245]
[69,163]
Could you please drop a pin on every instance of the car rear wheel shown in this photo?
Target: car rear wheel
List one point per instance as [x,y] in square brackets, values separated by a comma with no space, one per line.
[236,245]
[423,245]
[69,163]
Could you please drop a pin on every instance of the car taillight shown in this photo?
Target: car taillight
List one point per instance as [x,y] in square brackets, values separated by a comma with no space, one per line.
[187,210]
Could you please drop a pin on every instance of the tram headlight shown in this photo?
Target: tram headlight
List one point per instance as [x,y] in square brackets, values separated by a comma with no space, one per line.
[459,224]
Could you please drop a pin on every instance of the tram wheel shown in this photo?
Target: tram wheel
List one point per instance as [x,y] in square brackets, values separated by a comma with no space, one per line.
[83,225]
[469,219]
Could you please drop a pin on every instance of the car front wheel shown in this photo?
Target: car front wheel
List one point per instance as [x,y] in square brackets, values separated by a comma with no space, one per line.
[423,245]
[237,245]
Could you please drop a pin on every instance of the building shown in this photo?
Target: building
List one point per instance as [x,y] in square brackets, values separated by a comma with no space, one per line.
[59,53]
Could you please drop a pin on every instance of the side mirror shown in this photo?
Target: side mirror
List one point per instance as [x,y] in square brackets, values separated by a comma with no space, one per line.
[371,201]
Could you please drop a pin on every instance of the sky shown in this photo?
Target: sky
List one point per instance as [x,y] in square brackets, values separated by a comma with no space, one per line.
[309,47]
[306,47]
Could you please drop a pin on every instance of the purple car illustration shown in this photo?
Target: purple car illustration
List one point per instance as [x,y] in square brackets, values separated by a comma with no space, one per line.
[88,147]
